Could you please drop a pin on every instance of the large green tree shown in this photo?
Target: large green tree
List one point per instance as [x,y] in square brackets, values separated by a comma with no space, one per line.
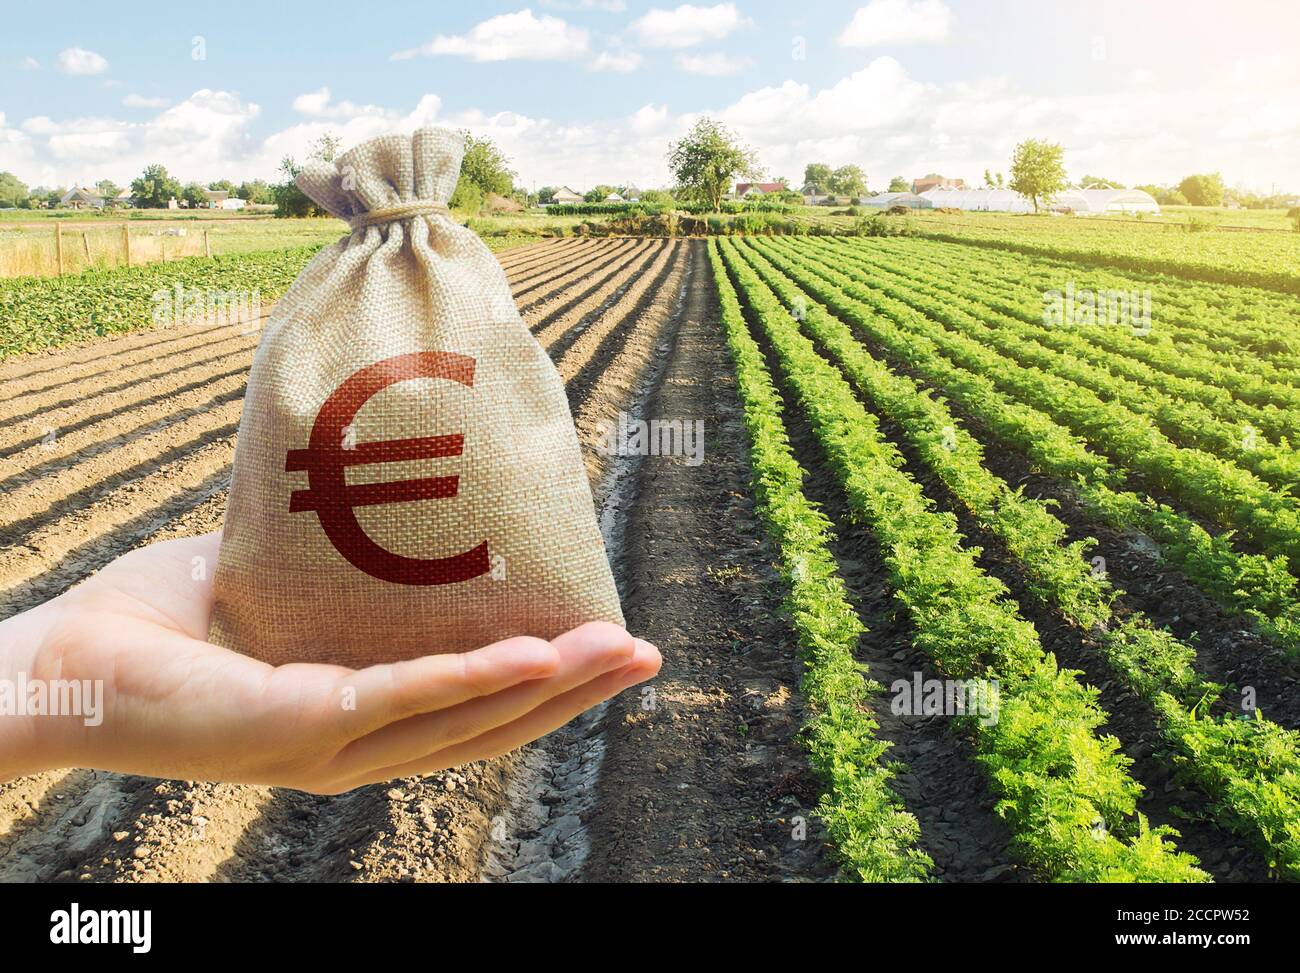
[193,194]
[1091,182]
[486,166]
[1038,170]
[899,185]
[12,190]
[1203,190]
[154,187]
[256,191]
[289,199]
[849,181]
[817,174]
[706,161]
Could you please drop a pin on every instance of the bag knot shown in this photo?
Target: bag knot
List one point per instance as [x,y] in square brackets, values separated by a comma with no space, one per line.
[402,211]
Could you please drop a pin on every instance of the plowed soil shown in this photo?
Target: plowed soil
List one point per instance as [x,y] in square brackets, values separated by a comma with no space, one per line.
[117,443]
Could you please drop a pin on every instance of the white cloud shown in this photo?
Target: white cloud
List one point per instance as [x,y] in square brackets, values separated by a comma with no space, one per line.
[715,65]
[78,60]
[517,36]
[139,101]
[880,117]
[898,22]
[618,61]
[649,119]
[31,64]
[688,25]
[317,104]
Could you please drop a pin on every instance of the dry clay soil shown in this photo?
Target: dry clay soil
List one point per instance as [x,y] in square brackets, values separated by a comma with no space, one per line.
[115,444]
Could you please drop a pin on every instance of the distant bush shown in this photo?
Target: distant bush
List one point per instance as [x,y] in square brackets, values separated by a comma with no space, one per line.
[604,209]
[880,225]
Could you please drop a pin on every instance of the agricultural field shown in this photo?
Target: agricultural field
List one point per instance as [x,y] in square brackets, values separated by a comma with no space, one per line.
[29,248]
[911,475]
[1191,245]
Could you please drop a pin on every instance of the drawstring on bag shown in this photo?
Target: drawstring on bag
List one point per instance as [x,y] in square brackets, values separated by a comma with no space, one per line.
[402,211]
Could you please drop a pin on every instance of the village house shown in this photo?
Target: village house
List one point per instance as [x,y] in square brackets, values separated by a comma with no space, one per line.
[752,190]
[221,199]
[564,196]
[80,197]
[926,183]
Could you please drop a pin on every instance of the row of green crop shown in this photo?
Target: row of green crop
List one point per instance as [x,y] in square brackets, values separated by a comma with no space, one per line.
[1056,777]
[1252,306]
[1257,586]
[1198,342]
[1115,376]
[728,207]
[1190,347]
[43,312]
[875,837]
[1244,260]
[1210,486]
[1256,782]
[1217,324]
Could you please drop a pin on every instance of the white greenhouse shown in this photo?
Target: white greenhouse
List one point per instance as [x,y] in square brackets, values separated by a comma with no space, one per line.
[1085,202]
[886,200]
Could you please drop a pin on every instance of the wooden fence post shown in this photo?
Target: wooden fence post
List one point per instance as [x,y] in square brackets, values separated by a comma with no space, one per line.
[207,246]
[58,246]
[126,243]
[85,247]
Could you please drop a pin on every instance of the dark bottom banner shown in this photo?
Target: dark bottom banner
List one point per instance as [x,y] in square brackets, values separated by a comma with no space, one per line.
[142,923]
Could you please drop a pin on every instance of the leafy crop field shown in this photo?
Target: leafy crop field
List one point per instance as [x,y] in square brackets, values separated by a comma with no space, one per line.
[1197,247]
[964,585]
[1038,495]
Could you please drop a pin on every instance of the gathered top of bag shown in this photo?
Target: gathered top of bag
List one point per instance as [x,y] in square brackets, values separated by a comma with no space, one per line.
[393,177]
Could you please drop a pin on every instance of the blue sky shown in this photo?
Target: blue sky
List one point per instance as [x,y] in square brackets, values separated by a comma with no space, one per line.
[580,91]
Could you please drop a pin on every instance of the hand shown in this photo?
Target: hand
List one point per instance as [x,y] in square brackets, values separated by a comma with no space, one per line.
[174,705]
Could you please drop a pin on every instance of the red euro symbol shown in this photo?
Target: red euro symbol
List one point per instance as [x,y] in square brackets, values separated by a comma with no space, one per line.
[326,461]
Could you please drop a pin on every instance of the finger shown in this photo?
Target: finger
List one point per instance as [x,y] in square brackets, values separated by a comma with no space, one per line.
[584,655]
[395,691]
[545,719]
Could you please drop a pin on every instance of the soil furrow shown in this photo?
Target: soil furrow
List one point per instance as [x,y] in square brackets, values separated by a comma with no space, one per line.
[61,552]
[703,778]
[190,338]
[30,505]
[557,305]
[561,326]
[584,361]
[153,385]
[558,334]
[530,295]
[49,459]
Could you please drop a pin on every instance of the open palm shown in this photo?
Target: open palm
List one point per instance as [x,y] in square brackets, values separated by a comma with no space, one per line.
[175,705]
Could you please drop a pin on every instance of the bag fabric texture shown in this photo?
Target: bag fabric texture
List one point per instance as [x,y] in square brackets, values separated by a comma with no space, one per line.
[407,477]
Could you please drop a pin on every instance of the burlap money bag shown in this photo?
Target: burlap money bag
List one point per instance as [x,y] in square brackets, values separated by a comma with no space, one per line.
[407,477]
